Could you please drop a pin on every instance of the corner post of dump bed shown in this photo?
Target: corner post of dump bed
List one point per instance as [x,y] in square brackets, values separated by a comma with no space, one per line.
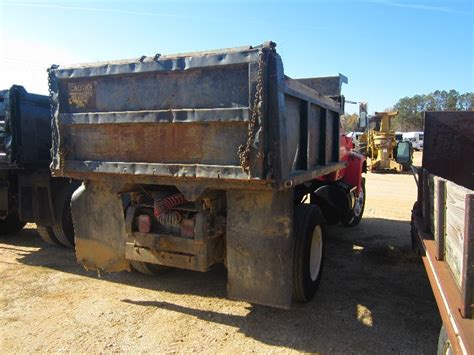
[260,222]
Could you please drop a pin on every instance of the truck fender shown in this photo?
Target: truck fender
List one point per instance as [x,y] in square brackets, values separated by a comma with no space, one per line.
[356,166]
[334,201]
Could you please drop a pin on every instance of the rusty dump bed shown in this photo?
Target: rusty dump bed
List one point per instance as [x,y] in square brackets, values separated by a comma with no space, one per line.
[228,116]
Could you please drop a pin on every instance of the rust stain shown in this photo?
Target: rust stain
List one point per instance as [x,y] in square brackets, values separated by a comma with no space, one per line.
[97,256]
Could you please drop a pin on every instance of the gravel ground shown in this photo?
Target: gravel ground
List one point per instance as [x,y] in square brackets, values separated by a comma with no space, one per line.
[374,298]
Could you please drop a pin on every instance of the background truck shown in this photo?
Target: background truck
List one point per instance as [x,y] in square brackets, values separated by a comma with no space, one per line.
[27,191]
[443,224]
[415,138]
[195,159]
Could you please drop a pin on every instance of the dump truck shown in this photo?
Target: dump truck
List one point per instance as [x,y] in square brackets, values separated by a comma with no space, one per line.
[28,193]
[443,224]
[194,159]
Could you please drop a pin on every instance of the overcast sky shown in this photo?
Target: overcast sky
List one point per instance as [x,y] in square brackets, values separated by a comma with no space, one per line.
[387,48]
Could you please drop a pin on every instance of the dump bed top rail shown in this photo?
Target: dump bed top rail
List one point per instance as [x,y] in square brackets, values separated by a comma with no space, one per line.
[228,116]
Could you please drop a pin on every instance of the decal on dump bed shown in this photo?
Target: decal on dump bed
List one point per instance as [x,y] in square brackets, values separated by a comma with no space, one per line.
[81,95]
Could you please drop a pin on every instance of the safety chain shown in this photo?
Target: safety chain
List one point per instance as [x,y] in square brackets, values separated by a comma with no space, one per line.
[256,115]
[53,104]
[50,86]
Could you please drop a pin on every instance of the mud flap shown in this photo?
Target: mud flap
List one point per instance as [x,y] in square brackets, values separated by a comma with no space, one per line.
[260,246]
[99,227]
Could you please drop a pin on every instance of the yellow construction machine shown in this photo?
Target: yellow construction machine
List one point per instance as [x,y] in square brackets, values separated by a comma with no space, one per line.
[385,153]
[382,145]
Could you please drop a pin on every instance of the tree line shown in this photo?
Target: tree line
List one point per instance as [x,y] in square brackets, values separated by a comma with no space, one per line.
[410,109]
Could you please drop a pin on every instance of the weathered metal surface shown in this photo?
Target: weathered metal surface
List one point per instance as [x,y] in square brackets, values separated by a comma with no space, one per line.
[298,177]
[165,63]
[260,246]
[99,226]
[159,116]
[328,86]
[25,156]
[82,172]
[229,114]
[255,125]
[174,251]
[443,158]
[159,170]
[222,120]
[36,198]
[195,242]
[25,129]
[184,144]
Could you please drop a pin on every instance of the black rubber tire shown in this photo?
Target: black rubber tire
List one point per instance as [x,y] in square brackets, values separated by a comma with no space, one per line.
[306,219]
[147,268]
[351,219]
[444,344]
[63,229]
[11,224]
[47,234]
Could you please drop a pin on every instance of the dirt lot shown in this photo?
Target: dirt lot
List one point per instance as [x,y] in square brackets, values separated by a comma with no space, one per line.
[374,298]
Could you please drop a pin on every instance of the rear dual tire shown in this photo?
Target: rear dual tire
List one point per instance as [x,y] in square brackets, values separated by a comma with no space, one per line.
[61,232]
[46,233]
[63,229]
[147,268]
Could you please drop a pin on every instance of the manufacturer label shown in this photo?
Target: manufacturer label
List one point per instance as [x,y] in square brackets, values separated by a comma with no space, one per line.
[81,95]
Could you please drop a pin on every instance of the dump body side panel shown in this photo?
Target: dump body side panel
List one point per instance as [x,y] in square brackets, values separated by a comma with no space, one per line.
[225,115]
[328,86]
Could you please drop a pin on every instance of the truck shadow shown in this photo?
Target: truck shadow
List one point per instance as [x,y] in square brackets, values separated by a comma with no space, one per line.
[374,295]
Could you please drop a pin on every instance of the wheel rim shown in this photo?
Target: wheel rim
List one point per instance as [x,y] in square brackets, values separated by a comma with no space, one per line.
[316,253]
[359,203]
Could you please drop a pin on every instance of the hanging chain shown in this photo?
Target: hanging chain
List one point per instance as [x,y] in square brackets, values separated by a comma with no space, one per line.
[50,87]
[256,115]
[54,125]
